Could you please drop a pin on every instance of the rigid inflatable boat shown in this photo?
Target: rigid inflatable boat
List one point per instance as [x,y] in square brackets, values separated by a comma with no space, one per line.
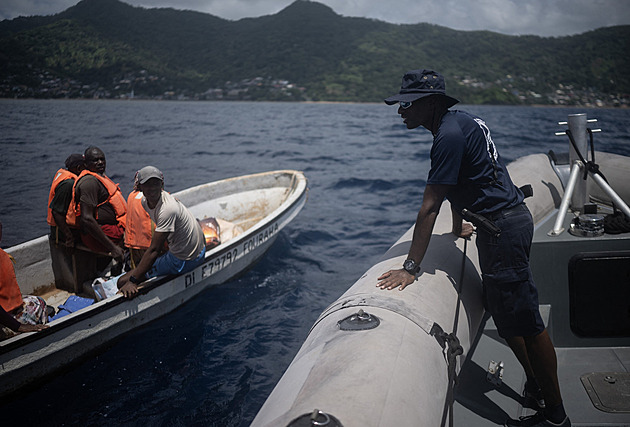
[429,355]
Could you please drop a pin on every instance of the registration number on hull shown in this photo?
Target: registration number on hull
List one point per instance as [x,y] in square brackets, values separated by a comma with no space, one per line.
[222,261]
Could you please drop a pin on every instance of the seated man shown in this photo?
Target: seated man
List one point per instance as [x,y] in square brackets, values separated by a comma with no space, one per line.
[60,197]
[98,207]
[11,322]
[20,314]
[139,227]
[174,224]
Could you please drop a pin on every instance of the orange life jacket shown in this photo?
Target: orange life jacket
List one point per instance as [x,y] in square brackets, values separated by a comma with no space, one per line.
[60,176]
[139,227]
[115,199]
[10,294]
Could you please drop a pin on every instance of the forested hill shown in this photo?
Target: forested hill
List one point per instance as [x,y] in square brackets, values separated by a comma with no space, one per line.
[106,48]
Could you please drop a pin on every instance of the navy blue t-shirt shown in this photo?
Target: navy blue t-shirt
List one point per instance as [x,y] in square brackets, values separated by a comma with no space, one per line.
[464,156]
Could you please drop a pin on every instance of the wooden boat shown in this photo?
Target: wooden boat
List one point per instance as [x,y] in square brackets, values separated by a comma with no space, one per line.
[389,358]
[260,205]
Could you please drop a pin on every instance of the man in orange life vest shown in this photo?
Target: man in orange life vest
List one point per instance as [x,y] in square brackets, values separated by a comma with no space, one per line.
[98,207]
[60,197]
[139,227]
[174,224]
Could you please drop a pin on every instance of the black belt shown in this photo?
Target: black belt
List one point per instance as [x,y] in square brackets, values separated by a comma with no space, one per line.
[493,216]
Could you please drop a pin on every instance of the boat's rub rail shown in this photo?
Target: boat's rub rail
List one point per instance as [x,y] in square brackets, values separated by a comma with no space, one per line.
[98,307]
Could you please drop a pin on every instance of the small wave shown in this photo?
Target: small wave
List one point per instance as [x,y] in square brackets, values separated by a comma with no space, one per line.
[311,236]
[206,153]
[368,184]
[316,163]
[286,153]
[229,135]
[114,137]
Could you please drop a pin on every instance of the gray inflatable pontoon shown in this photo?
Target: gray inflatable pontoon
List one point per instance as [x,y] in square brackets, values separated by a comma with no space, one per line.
[389,358]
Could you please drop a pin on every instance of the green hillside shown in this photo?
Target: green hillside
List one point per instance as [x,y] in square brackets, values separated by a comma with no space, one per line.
[106,48]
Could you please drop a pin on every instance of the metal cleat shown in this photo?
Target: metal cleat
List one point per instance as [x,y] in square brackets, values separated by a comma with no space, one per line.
[495,373]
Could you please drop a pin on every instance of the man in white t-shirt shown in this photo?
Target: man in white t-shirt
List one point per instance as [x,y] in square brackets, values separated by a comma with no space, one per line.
[173,224]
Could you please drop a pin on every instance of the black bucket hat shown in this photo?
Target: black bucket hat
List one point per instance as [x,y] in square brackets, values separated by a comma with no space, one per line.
[418,84]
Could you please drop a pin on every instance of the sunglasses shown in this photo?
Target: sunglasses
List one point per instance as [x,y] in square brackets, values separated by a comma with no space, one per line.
[405,104]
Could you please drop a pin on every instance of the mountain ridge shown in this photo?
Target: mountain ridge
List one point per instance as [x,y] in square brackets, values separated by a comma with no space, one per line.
[315,53]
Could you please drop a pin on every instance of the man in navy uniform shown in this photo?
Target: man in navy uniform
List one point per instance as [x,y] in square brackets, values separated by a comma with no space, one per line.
[467,170]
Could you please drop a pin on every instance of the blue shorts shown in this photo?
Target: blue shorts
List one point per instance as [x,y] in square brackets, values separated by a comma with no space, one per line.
[509,292]
[170,264]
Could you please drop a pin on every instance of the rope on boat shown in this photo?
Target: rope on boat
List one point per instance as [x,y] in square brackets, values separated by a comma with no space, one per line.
[590,165]
[452,348]
[616,223]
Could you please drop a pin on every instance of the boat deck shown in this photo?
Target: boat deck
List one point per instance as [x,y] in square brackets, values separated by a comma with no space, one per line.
[55,297]
[584,363]
[480,403]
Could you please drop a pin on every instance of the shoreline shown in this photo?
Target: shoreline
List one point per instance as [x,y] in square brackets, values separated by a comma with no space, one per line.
[594,107]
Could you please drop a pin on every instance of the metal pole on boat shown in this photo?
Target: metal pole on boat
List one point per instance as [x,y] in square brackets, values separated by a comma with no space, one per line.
[577,126]
[576,191]
[618,201]
[564,205]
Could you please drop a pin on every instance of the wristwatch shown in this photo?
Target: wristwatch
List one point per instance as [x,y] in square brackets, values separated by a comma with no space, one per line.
[134,280]
[411,267]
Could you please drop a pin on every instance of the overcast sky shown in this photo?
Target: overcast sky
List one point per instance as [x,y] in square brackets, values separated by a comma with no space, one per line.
[515,17]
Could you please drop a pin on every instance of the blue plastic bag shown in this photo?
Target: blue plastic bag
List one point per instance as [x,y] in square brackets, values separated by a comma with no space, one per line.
[72,304]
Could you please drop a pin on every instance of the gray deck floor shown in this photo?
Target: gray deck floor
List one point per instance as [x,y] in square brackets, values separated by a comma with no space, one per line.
[479,403]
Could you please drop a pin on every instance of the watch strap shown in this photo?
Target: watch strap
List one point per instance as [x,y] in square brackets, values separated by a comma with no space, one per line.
[411,267]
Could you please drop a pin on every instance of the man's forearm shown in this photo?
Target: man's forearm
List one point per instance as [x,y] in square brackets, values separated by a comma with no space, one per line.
[145,264]
[425,222]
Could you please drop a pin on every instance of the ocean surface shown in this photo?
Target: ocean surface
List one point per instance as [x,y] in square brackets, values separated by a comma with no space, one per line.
[214,361]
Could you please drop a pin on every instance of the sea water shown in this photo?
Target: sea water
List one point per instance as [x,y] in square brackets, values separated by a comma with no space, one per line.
[214,361]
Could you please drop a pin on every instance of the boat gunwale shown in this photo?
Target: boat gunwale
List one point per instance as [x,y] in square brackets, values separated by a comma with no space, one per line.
[65,322]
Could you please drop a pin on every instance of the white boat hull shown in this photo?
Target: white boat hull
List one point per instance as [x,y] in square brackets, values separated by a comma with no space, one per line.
[27,357]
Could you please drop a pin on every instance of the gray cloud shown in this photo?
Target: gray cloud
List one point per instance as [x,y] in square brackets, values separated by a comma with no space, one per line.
[515,17]
[13,8]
